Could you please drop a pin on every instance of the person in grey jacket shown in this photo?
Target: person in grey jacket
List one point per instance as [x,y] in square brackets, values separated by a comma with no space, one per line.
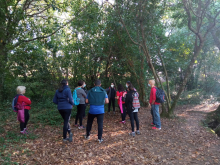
[81,107]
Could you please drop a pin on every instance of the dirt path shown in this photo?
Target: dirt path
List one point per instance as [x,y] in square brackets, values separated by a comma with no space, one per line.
[181,141]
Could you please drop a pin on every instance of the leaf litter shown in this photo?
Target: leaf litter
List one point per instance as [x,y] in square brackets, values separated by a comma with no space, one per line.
[181,140]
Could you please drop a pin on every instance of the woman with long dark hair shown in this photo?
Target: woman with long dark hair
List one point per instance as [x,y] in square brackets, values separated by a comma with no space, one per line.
[119,94]
[132,105]
[64,100]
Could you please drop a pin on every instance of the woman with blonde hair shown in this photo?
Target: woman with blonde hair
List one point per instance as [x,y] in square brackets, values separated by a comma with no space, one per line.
[25,102]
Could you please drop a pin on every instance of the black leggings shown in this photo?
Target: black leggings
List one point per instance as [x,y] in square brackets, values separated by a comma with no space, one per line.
[66,114]
[91,117]
[84,111]
[26,116]
[123,115]
[79,114]
[134,116]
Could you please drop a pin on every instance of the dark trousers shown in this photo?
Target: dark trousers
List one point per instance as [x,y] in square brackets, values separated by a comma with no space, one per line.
[66,114]
[79,114]
[91,117]
[84,111]
[123,115]
[26,116]
[111,101]
[134,116]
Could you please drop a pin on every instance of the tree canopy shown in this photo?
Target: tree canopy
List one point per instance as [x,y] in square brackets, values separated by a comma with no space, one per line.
[175,42]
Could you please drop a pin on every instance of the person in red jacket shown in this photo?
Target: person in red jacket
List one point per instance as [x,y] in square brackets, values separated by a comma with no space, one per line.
[154,106]
[27,102]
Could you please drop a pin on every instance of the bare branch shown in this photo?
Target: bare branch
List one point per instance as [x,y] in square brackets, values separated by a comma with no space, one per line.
[39,12]
[190,21]
[213,25]
[42,37]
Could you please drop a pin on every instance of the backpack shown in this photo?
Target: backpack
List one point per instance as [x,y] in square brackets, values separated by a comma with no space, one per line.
[14,103]
[159,95]
[20,112]
[136,102]
[76,100]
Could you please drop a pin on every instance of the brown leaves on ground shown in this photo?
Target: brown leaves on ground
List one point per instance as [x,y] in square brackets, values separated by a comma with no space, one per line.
[180,141]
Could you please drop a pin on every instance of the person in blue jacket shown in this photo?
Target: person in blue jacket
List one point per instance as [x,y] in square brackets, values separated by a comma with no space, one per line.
[64,100]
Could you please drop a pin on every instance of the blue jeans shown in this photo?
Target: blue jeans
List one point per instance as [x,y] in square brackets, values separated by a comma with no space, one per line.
[156,115]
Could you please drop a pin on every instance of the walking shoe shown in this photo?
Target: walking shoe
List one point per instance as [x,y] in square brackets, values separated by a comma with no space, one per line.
[100,140]
[156,128]
[132,134]
[23,132]
[66,140]
[138,132]
[123,122]
[152,123]
[82,127]
[76,125]
[86,137]
[71,137]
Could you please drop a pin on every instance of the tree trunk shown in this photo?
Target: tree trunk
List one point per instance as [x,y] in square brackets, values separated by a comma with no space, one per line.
[187,74]
[3,62]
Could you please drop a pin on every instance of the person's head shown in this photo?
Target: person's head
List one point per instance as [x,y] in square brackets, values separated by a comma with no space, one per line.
[21,90]
[84,84]
[130,87]
[63,83]
[97,82]
[151,83]
[80,83]
[112,85]
[120,87]
[128,83]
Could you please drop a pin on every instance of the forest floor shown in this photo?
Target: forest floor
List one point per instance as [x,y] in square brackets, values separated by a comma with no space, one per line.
[182,140]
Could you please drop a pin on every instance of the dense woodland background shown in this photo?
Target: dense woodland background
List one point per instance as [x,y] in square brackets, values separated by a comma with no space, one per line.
[176,42]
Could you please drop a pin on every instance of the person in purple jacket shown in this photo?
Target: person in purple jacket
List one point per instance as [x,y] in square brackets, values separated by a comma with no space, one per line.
[64,100]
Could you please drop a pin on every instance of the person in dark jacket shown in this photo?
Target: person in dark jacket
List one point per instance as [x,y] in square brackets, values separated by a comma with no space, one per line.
[132,105]
[64,100]
[111,91]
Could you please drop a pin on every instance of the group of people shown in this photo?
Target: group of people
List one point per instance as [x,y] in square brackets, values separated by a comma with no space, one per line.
[97,97]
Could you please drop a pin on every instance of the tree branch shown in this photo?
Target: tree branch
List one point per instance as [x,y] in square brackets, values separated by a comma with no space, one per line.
[42,37]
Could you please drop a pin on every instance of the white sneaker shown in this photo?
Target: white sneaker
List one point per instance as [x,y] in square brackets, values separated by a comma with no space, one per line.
[100,140]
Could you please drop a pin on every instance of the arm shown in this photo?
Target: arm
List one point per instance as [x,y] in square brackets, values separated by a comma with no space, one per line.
[26,100]
[87,100]
[153,96]
[126,101]
[84,93]
[117,95]
[106,101]
[55,99]
[107,90]
[70,97]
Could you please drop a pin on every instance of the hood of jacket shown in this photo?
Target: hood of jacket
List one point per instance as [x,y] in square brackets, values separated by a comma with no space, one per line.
[97,89]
